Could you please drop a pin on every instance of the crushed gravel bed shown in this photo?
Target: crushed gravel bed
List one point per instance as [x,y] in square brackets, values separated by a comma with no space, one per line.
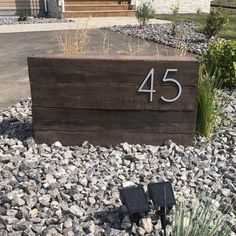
[187,39]
[31,20]
[58,190]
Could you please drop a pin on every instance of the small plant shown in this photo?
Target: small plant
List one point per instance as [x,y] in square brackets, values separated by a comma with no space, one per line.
[207,111]
[23,16]
[106,44]
[180,48]
[145,12]
[133,48]
[174,18]
[204,220]
[199,11]
[220,62]
[73,43]
[215,22]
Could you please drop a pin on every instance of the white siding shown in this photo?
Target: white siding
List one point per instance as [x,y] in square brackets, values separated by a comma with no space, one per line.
[185,6]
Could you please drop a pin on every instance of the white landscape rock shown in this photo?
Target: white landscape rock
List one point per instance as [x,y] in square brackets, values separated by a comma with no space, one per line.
[128,184]
[75,190]
[31,20]
[146,224]
[50,179]
[190,38]
[77,211]
[45,200]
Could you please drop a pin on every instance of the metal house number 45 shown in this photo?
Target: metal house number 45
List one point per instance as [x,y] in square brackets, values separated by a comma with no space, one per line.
[150,76]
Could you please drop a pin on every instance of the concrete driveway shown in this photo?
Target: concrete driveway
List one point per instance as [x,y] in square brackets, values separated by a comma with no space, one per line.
[16,47]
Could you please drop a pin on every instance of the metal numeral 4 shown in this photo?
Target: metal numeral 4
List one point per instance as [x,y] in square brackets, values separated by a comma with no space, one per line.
[151,90]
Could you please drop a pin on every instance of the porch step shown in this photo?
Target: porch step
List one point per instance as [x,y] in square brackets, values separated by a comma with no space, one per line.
[110,13]
[101,1]
[95,2]
[91,2]
[97,8]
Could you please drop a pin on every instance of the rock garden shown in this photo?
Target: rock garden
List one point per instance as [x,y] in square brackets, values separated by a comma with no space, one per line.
[74,190]
[57,190]
[189,38]
[30,20]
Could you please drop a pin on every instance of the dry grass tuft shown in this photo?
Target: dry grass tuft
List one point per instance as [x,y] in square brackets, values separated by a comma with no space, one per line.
[73,42]
[106,44]
[180,48]
[133,48]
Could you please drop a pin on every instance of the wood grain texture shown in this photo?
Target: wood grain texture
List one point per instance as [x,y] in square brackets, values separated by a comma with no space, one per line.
[110,138]
[116,70]
[96,99]
[112,120]
[94,115]
[110,96]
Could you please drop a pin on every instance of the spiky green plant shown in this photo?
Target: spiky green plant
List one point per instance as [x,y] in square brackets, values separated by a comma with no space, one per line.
[203,220]
[175,15]
[207,111]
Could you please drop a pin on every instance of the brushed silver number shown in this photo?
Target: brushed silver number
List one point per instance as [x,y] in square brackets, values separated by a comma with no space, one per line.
[150,76]
[165,79]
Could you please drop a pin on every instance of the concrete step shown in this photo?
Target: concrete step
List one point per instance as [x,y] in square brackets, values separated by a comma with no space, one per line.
[109,13]
[78,1]
[97,2]
[98,7]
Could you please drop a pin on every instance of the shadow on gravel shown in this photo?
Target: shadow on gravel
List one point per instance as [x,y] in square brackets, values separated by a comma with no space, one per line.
[16,129]
[110,219]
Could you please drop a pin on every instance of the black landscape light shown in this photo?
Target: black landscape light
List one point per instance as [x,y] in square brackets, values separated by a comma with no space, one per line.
[134,198]
[163,199]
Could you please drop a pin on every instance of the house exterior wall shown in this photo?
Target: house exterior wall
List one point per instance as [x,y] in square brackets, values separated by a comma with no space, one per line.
[185,6]
[16,7]
[54,9]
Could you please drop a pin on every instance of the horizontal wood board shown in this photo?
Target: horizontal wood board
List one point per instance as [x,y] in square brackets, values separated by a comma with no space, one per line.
[96,99]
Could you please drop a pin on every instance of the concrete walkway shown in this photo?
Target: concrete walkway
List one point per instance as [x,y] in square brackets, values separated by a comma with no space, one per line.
[20,41]
[93,23]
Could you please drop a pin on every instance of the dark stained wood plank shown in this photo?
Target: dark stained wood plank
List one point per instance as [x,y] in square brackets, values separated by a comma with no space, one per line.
[161,128]
[89,76]
[45,58]
[95,98]
[95,71]
[109,96]
[105,120]
[72,115]
[109,138]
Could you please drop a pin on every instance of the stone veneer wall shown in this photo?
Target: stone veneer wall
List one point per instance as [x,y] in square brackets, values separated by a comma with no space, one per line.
[54,10]
[186,6]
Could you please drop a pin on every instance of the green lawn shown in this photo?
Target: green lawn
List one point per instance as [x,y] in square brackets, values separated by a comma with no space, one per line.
[229,30]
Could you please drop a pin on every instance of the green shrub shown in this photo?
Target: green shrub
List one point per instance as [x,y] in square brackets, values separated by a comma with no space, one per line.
[220,62]
[144,12]
[174,18]
[23,16]
[203,220]
[207,112]
[199,11]
[215,22]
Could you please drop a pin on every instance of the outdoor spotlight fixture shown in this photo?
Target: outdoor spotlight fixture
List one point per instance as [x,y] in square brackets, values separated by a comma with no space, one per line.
[162,196]
[135,200]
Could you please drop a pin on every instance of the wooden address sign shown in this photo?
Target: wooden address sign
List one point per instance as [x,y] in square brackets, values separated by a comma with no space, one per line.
[107,100]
